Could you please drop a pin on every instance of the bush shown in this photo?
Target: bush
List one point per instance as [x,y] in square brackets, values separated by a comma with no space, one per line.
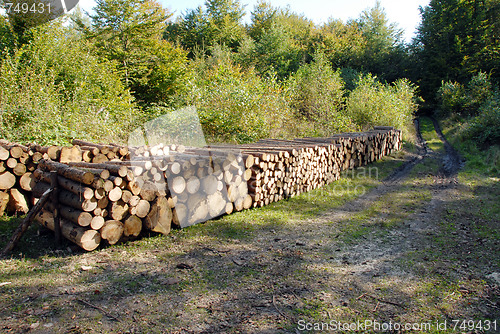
[236,105]
[54,89]
[318,96]
[466,101]
[451,97]
[485,128]
[372,103]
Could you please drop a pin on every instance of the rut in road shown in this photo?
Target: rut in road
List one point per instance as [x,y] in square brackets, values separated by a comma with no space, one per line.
[376,255]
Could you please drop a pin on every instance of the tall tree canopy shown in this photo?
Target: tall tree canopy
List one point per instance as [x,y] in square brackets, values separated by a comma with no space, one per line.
[220,22]
[456,39]
[130,33]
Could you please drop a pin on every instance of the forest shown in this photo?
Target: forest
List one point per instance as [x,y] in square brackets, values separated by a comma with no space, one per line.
[98,76]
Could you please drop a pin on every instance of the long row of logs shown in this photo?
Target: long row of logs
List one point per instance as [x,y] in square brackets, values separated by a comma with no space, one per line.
[113,193]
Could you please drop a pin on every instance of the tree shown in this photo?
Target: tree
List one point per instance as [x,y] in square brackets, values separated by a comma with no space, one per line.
[263,16]
[457,39]
[199,29]
[384,53]
[55,88]
[129,32]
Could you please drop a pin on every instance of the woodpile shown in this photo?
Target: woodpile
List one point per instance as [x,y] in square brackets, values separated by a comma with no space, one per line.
[114,193]
[17,162]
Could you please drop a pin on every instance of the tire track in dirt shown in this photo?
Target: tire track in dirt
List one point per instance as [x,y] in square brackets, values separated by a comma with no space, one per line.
[377,255]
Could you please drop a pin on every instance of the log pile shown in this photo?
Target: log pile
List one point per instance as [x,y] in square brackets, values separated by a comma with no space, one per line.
[113,193]
[97,201]
[201,183]
[17,162]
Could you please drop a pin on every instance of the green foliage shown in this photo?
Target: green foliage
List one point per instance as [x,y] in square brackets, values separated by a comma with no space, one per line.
[457,39]
[318,95]
[238,106]
[478,102]
[54,89]
[455,98]
[220,22]
[485,128]
[8,40]
[129,32]
[373,103]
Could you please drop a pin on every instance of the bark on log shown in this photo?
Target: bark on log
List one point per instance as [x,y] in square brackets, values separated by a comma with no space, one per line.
[74,174]
[85,238]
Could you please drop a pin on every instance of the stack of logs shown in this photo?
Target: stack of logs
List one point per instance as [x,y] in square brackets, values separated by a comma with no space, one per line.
[17,162]
[113,193]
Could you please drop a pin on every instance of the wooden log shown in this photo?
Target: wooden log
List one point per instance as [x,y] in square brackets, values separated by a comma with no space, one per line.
[73,215]
[115,195]
[118,170]
[198,211]
[97,222]
[72,186]
[27,182]
[132,226]
[17,202]
[159,218]
[209,184]
[70,154]
[118,210]
[71,173]
[216,204]
[85,238]
[193,185]
[4,200]
[142,209]
[148,191]
[11,163]
[179,215]
[112,231]
[178,184]
[4,153]
[67,198]
[7,180]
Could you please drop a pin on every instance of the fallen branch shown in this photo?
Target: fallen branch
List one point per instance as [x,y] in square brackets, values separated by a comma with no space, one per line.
[21,229]
[98,308]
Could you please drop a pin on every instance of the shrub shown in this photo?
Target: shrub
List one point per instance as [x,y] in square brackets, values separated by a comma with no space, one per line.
[451,97]
[485,128]
[466,101]
[55,89]
[236,105]
[372,103]
[318,96]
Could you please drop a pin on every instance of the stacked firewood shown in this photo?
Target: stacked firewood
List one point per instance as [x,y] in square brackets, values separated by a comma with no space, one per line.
[101,201]
[113,193]
[283,168]
[202,183]
[17,162]
[361,148]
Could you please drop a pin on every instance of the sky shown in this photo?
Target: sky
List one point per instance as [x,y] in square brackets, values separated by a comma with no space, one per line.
[404,13]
